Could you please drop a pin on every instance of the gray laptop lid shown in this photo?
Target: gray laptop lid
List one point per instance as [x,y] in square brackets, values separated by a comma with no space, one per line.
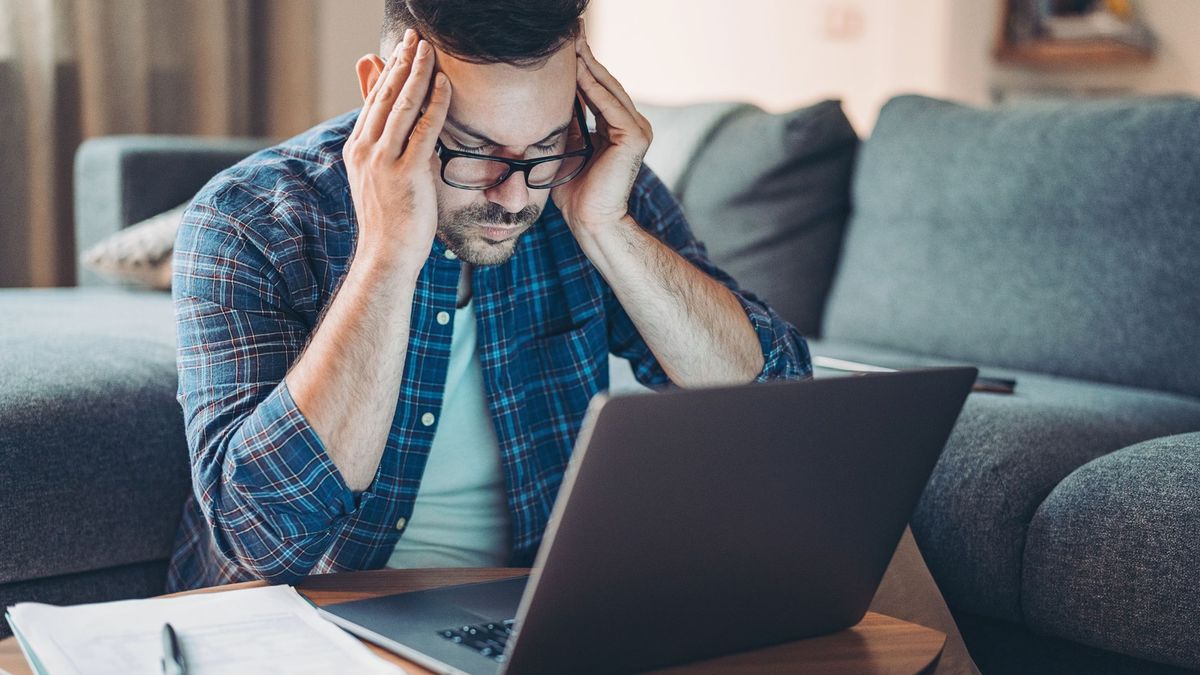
[702,522]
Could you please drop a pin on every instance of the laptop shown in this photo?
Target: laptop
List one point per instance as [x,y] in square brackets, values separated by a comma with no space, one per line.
[696,523]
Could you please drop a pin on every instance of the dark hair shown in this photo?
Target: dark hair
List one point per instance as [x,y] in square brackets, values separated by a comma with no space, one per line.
[518,32]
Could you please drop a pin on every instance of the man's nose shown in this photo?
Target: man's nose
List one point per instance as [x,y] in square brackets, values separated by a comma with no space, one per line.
[512,194]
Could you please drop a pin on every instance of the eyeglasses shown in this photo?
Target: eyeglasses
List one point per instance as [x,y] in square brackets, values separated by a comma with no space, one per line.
[472,171]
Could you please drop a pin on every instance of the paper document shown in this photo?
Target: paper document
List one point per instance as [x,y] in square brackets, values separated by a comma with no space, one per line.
[257,630]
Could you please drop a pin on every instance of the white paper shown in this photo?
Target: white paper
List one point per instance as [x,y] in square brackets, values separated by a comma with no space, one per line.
[258,630]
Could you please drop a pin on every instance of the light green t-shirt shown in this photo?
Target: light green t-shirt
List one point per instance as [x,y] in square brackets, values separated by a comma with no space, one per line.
[459,518]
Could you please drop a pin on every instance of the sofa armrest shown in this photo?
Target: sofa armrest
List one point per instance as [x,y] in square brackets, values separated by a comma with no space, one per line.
[1113,555]
[121,180]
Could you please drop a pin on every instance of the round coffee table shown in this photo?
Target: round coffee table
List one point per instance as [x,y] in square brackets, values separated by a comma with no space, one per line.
[878,644]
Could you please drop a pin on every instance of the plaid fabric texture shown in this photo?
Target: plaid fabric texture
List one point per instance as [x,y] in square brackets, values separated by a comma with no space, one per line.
[260,252]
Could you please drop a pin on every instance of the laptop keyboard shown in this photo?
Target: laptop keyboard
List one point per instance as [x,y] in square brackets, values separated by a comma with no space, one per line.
[489,639]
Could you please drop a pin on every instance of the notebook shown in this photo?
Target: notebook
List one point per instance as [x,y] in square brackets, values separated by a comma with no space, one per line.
[270,629]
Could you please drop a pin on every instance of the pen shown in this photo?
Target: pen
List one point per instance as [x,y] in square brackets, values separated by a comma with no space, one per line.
[173,662]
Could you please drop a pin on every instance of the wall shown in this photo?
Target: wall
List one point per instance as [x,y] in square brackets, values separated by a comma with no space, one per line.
[679,39]
[781,54]
[784,53]
[778,54]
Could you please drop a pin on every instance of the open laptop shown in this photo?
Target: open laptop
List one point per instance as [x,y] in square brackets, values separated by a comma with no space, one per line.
[696,523]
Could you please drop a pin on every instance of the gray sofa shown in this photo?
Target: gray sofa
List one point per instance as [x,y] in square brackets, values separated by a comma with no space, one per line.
[1057,244]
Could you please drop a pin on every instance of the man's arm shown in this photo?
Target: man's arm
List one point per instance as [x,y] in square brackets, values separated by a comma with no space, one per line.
[281,440]
[701,329]
[656,212]
[695,327]
[348,380]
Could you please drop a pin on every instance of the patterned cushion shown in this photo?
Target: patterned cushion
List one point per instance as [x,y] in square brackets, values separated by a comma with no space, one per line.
[140,254]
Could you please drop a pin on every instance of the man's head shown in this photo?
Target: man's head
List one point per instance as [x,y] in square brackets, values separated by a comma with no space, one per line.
[512,67]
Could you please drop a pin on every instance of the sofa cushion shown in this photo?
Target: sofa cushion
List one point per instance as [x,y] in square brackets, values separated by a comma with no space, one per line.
[768,194]
[1053,237]
[1005,455]
[679,133]
[93,458]
[1114,553]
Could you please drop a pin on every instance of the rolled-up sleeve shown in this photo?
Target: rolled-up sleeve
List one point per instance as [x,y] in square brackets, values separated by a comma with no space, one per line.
[785,351]
[261,476]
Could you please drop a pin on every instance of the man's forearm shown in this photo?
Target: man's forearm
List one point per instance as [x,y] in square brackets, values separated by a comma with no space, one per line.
[347,381]
[695,326]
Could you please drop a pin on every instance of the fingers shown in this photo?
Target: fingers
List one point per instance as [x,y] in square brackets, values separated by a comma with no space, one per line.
[389,85]
[369,102]
[611,83]
[589,104]
[605,103]
[601,73]
[424,137]
[407,106]
[369,99]
[606,92]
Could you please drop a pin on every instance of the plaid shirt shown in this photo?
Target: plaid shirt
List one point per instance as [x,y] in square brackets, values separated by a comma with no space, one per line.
[260,252]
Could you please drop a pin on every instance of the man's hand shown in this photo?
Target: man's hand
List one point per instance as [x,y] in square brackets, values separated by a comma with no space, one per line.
[599,197]
[390,158]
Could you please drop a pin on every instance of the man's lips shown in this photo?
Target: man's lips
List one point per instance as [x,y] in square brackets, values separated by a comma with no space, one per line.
[499,233]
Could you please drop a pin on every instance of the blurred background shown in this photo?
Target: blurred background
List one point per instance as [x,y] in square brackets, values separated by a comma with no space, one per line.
[76,69]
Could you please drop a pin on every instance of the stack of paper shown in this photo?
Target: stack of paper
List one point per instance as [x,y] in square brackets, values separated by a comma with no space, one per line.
[258,630]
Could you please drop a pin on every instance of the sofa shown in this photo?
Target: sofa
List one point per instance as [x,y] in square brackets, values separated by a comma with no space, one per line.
[1053,243]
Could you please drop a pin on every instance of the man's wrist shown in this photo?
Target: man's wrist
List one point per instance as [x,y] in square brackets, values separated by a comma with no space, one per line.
[384,276]
[383,260]
[596,233]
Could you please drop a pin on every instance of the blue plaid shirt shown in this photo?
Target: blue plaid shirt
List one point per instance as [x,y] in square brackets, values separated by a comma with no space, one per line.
[260,252]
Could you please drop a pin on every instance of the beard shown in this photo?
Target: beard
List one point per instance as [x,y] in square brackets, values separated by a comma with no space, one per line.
[460,231]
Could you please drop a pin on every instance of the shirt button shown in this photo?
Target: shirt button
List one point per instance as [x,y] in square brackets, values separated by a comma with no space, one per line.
[401,523]
[443,318]
[427,419]
[449,255]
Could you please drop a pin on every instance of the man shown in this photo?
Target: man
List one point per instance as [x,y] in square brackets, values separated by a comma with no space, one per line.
[321,287]
[391,325]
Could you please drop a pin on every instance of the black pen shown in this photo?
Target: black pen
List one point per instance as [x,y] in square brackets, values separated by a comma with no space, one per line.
[173,662]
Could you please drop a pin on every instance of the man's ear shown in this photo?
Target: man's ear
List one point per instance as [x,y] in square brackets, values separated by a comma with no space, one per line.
[368,69]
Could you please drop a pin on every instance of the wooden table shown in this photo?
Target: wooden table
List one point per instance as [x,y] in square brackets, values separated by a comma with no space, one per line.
[879,644]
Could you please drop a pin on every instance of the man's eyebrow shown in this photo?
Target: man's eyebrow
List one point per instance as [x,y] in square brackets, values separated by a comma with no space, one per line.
[475,133]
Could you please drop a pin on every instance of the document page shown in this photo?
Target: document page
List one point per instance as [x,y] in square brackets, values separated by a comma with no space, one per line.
[257,630]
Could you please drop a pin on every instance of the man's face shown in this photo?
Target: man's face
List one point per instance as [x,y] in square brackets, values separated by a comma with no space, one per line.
[504,111]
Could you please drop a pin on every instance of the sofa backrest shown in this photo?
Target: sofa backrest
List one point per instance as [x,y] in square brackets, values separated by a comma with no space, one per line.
[1060,237]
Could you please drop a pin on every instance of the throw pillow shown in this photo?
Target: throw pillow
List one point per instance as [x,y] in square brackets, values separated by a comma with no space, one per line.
[139,254]
[767,194]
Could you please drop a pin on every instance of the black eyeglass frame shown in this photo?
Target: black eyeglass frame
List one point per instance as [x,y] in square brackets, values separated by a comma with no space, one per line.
[523,165]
